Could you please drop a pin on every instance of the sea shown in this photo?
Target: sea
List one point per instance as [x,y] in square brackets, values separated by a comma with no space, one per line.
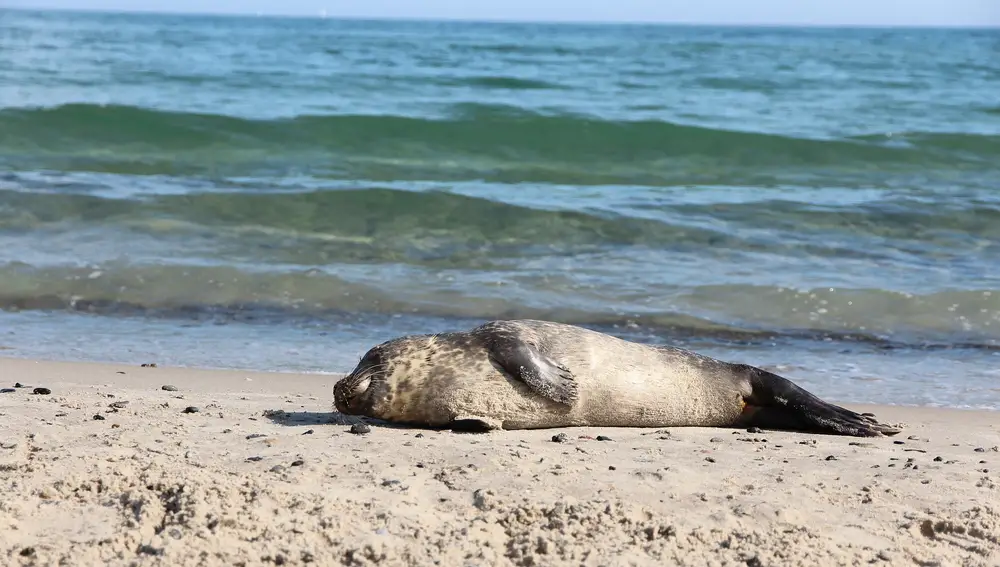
[279,193]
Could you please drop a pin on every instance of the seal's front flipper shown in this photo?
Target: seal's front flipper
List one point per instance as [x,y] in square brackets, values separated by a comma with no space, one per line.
[777,403]
[521,361]
[474,424]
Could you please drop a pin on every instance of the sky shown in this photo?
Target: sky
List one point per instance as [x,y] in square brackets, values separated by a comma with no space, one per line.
[808,12]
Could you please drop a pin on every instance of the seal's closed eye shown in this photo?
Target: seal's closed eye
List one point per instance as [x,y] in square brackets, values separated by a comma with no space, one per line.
[360,388]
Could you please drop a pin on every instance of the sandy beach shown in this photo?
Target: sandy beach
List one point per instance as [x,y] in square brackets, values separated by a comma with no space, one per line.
[244,468]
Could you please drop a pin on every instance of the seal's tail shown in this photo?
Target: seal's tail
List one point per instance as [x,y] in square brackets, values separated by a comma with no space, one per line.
[777,403]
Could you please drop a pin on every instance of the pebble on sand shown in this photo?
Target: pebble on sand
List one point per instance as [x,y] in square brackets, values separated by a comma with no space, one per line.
[41,391]
[360,428]
[168,388]
[191,409]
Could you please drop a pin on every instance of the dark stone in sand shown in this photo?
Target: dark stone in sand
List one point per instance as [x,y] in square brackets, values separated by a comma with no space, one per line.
[898,442]
[612,468]
[191,409]
[980,450]
[19,385]
[149,365]
[715,440]
[150,550]
[7,390]
[255,459]
[938,459]
[308,432]
[361,429]
[298,463]
[99,417]
[710,459]
[755,430]
[120,404]
[604,438]
[41,391]
[419,435]
[255,435]
[559,438]
[168,388]
[831,458]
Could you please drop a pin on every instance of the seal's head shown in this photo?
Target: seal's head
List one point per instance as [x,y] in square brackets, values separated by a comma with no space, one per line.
[410,379]
[365,389]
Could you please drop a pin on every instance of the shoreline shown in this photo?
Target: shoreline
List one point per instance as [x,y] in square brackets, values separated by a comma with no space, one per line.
[109,469]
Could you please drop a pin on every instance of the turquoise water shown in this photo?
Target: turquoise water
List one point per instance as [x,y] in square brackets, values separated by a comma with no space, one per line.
[281,193]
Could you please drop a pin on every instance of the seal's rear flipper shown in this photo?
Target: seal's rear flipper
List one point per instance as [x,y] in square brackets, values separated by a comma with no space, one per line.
[521,361]
[777,403]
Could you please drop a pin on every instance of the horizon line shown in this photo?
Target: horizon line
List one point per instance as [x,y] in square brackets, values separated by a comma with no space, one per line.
[447,19]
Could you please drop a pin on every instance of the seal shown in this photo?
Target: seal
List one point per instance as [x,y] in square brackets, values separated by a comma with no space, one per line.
[528,374]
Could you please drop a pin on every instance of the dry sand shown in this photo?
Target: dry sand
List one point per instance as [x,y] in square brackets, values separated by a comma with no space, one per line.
[107,469]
